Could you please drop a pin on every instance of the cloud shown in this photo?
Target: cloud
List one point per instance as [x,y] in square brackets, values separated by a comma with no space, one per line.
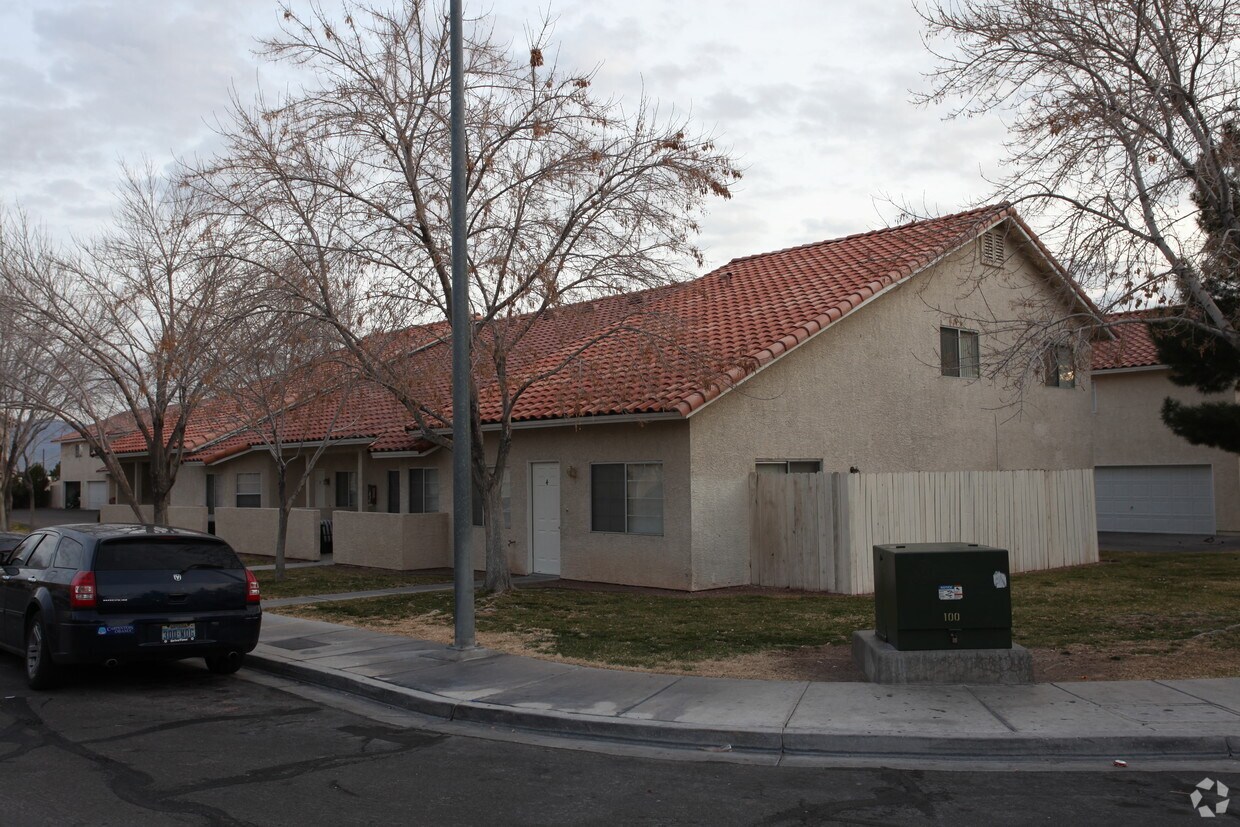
[811,94]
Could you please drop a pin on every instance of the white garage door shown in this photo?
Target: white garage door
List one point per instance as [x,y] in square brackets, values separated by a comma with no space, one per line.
[1159,499]
[96,495]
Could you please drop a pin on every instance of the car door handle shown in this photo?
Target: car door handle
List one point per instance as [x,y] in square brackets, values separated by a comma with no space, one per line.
[6,577]
[32,579]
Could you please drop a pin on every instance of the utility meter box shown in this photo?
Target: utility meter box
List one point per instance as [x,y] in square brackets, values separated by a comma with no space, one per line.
[942,596]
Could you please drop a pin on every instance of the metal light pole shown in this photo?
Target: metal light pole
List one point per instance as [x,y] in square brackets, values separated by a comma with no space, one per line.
[462,522]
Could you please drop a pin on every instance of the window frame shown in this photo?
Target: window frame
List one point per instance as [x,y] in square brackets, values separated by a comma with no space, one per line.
[238,491]
[628,515]
[1057,365]
[956,367]
[787,465]
[349,487]
[423,509]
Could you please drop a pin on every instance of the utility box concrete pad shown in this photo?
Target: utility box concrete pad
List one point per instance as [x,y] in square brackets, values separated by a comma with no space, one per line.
[942,596]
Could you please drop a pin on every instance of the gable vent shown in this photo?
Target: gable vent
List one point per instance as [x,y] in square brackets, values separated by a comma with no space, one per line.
[990,247]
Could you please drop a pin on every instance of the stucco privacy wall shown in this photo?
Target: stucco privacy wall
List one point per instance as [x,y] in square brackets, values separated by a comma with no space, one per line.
[1128,430]
[392,541]
[254,531]
[867,392]
[179,516]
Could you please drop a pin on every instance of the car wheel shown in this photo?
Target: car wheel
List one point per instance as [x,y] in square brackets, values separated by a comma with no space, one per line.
[224,664]
[41,670]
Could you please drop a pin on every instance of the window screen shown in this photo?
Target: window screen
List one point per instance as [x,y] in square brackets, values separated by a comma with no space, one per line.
[627,497]
[1060,372]
[249,490]
[959,353]
[346,489]
[423,490]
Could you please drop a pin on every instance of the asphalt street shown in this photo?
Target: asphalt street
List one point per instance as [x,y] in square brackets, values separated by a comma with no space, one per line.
[173,744]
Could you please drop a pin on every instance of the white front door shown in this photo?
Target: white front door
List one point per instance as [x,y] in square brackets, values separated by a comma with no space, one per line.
[96,495]
[545,516]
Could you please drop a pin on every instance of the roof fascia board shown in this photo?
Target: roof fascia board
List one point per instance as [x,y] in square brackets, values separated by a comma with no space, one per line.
[268,448]
[403,454]
[577,421]
[1055,267]
[1137,369]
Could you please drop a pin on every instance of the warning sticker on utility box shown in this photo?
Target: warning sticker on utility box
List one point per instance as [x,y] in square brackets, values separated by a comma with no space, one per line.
[951,592]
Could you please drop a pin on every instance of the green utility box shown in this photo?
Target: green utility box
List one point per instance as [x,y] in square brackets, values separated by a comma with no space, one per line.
[942,596]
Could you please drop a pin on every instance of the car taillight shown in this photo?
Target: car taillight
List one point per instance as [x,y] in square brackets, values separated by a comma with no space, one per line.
[82,590]
[252,593]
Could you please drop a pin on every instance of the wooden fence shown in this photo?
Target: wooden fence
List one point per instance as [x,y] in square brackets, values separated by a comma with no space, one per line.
[817,531]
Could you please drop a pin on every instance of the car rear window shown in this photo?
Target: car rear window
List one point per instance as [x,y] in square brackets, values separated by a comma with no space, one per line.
[163,555]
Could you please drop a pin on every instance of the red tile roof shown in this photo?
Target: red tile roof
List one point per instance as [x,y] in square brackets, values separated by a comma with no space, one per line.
[666,350]
[1132,346]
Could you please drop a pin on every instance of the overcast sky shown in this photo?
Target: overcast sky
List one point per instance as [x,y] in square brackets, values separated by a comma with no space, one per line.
[813,95]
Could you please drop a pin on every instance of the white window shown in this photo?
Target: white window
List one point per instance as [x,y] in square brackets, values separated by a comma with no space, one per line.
[627,497]
[77,450]
[249,490]
[346,489]
[789,466]
[423,490]
[959,354]
[1060,370]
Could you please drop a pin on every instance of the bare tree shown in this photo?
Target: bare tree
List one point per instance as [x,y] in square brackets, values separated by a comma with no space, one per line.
[22,420]
[132,326]
[570,197]
[290,396]
[1121,119]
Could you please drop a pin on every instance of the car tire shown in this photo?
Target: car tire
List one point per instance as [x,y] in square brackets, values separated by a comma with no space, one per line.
[223,664]
[41,671]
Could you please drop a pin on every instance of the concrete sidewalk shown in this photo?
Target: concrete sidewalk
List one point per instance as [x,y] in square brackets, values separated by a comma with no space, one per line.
[1197,719]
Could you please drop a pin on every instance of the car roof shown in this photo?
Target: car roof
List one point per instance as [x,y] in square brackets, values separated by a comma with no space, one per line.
[113,531]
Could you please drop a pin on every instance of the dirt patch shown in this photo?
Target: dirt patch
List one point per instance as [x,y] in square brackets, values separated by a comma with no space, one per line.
[1198,658]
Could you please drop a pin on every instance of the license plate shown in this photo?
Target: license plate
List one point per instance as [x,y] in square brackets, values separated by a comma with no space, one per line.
[178,633]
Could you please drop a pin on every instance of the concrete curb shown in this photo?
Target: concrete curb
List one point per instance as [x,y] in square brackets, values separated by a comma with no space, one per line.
[793,742]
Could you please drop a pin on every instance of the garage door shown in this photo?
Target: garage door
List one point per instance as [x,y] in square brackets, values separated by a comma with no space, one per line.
[96,495]
[1159,499]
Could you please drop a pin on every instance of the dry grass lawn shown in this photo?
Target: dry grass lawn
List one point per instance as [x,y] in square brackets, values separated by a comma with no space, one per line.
[1132,616]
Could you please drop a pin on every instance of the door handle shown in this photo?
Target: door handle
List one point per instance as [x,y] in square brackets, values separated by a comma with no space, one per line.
[32,579]
[6,577]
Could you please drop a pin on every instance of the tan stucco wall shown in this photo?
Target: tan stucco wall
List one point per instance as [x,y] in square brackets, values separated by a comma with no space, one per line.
[867,392]
[179,516]
[79,469]
[634,559]
[190,489]
[1128,430]
[392,541]
[255,530]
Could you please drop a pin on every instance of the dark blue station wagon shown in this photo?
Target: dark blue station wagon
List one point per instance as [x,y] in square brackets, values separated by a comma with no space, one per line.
[111,594]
